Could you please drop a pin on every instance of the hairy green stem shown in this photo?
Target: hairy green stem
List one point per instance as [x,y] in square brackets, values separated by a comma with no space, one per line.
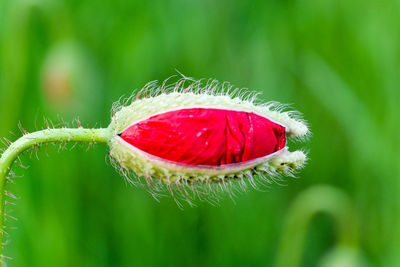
[35,139]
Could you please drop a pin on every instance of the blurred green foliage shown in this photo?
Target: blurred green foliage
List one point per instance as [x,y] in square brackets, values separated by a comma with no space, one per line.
[337,61]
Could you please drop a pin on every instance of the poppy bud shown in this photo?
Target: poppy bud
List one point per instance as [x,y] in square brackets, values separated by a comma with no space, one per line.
[190,134]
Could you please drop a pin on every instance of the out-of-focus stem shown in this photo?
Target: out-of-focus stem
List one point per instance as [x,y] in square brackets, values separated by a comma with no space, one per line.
[316,200]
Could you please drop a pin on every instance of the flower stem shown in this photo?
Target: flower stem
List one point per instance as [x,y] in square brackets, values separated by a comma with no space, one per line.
[313,201]
[36,139]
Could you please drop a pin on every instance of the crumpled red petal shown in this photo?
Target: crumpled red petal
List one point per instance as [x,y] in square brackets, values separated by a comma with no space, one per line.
[206,136]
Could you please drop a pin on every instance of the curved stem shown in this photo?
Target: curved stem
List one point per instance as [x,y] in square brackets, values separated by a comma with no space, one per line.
[35,139]
[318,199]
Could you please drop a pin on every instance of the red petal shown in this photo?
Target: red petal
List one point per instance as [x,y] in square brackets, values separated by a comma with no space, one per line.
[206,136]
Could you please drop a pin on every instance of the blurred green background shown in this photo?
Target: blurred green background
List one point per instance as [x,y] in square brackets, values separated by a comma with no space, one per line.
[338,62]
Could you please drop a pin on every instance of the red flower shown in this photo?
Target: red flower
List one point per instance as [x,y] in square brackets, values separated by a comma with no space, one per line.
[206,136]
